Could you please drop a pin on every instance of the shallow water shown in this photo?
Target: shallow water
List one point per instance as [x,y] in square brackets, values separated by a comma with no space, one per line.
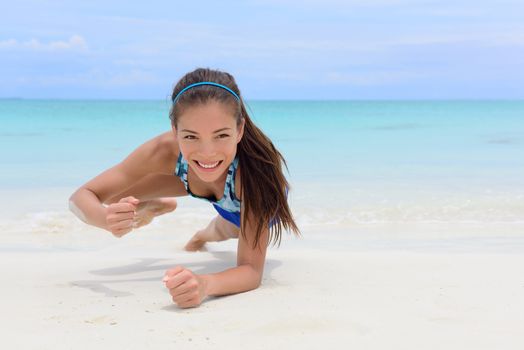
[350,162]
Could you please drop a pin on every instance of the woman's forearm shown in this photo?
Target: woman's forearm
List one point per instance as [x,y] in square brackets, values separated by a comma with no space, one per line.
[235,280]
[87,207]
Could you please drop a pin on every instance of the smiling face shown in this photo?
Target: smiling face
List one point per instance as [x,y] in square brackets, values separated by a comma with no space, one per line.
[207,136]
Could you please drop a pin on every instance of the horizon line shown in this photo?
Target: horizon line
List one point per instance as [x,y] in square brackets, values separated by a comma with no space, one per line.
[458,99]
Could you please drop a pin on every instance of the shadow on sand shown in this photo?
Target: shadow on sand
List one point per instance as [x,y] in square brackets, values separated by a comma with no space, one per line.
[222,261]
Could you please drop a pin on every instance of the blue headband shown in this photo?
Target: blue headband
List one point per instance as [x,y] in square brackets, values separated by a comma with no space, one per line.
[205,83]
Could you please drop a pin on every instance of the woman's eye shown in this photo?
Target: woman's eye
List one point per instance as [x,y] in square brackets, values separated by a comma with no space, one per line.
[189,137]
[223,136]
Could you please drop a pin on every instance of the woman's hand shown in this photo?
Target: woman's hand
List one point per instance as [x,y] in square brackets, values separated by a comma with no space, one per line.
[186,288]
[120,216]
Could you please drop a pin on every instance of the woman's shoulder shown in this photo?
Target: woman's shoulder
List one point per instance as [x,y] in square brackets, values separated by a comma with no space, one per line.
[167,145]
[160,153]
[166,149]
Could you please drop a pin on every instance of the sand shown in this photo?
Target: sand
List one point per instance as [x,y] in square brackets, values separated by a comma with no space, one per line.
[367,287]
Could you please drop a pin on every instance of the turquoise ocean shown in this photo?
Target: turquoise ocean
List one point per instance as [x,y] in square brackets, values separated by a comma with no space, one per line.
[349,162]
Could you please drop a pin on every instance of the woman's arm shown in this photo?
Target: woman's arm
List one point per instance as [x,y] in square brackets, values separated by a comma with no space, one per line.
[145,170]
[189,289]
[247,275]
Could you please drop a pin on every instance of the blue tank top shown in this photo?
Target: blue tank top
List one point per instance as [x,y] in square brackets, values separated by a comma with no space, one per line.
[229,201]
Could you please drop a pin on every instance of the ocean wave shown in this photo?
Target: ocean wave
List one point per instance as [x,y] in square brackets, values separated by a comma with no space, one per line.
[307,216]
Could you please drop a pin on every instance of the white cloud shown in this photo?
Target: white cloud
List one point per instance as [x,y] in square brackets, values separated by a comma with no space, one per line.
[8,43]
[373,78]
[74,43]
[93,78]
[134,77]
[338,3]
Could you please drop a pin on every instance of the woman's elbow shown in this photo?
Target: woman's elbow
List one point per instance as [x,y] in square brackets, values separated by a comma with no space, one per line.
[257,280]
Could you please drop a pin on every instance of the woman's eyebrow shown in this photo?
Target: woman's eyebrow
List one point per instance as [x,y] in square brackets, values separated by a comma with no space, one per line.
[214,132]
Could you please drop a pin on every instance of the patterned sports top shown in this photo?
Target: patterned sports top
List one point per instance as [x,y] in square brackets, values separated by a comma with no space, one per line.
[229,201]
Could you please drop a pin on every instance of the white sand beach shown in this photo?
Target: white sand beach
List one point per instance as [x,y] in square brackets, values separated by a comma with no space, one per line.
[69,286]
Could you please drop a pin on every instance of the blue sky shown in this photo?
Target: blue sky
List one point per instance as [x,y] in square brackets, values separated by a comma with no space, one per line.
[298,49]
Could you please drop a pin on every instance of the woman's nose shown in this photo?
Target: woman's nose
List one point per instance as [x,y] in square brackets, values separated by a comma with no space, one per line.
[207,149]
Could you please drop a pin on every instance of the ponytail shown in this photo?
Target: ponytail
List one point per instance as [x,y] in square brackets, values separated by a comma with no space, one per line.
[264,186]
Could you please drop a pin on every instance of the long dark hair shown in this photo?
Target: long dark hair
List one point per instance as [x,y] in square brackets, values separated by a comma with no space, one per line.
[264,186]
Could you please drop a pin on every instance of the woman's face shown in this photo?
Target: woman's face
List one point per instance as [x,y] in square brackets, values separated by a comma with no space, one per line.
[208,136]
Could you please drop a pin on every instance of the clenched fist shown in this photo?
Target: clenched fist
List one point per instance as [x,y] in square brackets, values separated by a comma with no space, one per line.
[186,288]
[120,216]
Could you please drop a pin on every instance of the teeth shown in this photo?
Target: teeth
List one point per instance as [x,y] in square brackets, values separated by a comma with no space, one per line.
[208,166]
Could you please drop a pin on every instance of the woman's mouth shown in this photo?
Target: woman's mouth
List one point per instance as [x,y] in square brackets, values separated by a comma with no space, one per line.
[208,166]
